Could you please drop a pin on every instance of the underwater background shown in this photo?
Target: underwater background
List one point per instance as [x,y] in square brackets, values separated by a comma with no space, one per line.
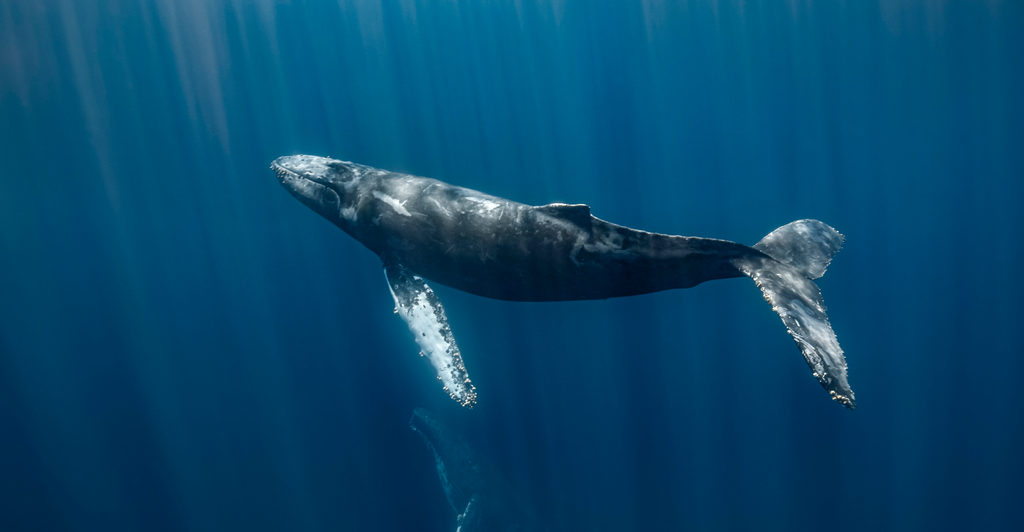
[184,346]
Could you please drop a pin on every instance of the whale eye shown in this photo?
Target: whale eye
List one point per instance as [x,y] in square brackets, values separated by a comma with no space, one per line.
[329,197]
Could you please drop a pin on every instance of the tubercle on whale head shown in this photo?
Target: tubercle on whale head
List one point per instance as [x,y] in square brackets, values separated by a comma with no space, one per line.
[845,400]
[323,184]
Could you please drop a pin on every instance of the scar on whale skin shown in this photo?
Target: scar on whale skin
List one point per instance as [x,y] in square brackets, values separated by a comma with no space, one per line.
[423,229]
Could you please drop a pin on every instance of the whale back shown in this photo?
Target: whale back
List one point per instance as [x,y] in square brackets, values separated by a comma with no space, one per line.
[578,214]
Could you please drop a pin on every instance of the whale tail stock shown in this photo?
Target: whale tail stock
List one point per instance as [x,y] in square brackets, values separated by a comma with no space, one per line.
[794,255]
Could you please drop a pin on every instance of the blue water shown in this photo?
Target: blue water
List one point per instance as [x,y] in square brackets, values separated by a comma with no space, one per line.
[183,346]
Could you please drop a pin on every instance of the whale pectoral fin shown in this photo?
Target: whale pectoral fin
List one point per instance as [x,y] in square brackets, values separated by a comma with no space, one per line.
[578,214]
[469,519]
[419,306]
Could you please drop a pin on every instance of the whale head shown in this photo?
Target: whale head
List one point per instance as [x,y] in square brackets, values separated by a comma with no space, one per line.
[328,186]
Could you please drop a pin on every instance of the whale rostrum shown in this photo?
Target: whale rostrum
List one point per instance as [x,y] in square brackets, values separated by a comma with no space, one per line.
[427,230]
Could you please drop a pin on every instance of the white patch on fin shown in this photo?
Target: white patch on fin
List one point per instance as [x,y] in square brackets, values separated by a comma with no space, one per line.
[419,306]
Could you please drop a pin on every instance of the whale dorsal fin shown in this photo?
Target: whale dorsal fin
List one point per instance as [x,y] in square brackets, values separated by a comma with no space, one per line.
[578,214]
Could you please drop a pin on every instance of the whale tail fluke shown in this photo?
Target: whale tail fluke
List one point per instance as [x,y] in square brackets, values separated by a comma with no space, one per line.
[796,253]
[807,245]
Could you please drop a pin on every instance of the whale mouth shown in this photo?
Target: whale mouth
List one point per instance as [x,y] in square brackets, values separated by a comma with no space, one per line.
[283,174]
[307,179]
[296,183]
[304,167]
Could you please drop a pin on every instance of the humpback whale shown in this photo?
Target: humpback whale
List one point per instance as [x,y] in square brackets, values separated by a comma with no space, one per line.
[424,229]
[483,500]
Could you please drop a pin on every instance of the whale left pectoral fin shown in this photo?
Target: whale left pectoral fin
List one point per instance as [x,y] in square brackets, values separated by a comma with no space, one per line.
[419,306]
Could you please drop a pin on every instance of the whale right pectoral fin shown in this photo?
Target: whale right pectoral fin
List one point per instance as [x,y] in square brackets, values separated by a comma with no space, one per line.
[419,306]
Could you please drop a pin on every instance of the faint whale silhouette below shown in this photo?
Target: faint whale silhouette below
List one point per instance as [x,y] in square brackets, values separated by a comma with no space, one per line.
[482,498]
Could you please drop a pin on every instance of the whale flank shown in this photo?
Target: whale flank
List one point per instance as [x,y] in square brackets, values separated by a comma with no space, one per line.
[427,230]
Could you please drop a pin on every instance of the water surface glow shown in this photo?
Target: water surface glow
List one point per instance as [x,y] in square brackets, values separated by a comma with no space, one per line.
[183,346]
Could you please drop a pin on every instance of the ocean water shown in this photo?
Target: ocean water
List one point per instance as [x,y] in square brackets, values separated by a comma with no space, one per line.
[183,346]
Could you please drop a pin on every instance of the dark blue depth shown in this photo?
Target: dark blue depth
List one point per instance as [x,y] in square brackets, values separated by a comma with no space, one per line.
[183,346]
